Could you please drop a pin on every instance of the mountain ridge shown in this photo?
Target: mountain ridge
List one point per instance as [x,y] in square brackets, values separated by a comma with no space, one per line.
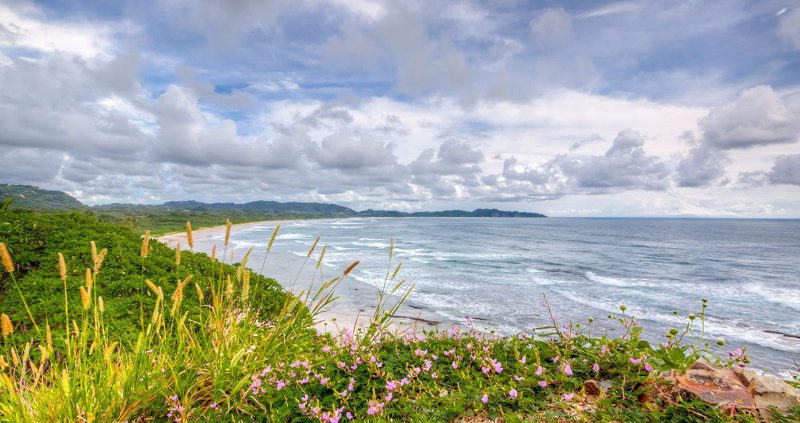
[34,198]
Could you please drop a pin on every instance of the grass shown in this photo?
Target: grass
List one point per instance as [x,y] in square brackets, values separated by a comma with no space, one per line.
[206,349]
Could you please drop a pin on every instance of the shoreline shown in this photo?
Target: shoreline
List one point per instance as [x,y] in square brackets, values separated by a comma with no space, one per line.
[356,300]
[171,237]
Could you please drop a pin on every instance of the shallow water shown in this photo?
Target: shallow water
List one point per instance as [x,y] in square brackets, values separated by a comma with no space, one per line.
[498,271]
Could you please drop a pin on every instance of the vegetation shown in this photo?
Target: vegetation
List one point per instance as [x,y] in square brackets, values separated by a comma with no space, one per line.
[33,198]
[203,347]
[172,215]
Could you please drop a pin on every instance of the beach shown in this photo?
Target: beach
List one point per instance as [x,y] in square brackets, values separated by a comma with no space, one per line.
[356,300]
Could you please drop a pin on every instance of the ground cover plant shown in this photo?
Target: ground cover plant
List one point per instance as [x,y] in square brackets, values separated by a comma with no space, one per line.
[213,342]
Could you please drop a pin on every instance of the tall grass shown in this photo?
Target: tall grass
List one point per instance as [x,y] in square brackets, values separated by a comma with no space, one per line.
[229,361]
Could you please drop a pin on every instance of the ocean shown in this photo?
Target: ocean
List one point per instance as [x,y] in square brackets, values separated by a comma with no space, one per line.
[499,270]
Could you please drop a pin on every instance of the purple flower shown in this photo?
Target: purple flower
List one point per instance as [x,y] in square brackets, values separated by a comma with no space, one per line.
[568,397]
[455,365]
[648,367]
[539,371]
[567,370]
[543,384]
[391,386]
[485,398]
[512,393]
[596,368]
[524,359]
[636,360]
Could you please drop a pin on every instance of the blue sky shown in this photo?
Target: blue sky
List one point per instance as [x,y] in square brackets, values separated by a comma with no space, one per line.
[629,108]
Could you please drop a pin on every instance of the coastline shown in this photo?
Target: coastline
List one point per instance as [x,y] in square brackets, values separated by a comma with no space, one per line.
[355,302]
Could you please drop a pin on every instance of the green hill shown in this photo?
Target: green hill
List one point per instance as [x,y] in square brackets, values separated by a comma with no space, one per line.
[34,198]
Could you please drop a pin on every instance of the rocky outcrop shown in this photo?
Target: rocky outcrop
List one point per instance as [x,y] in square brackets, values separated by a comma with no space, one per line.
[735,388]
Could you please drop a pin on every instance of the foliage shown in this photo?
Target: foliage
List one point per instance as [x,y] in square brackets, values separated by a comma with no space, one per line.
[36,239]
[34,198]
[218,357]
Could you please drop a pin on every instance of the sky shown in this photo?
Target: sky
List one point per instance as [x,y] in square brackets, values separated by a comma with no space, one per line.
[585,108]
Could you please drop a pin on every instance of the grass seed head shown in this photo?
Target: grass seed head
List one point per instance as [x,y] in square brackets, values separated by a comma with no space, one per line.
[85,299]
[145,245]
[351,267]
[189,238]
[62,267]
[6,258]
[6,327]
[227,231]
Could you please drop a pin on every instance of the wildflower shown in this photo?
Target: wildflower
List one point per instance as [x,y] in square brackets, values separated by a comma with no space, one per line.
[648,367]
[427,365]
[596,368]
[349,415]
[542,384]
[280,385]
[567,370]
[635,360]
[485,398]
[455,365]
[569,396]
[388,397]
[539,371]
[523,360]
[518,378]
[512,393]
[391,386]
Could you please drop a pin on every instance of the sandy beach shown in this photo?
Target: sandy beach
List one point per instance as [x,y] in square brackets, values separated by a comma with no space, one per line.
[356,300]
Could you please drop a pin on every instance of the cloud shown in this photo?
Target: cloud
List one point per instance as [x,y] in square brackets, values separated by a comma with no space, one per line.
[759,116]
[345,151]
[624,165]
[25,26]
[551,25]
[789,27]
[786,170]
[701,167]
[612,9]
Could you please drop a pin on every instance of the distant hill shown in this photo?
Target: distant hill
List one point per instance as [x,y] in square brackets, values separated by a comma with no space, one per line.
[449,213]
[33,198]
[264,206]
[172,215]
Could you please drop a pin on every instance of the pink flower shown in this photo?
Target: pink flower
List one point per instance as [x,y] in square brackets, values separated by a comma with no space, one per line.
[543,384]
[485,398]
[389,397]
[596,368]
[512,393]
[567,370]
[517,378]
[280,385]
[568,397]
[636,360]
[539,371]
[524,359]
[349,415]
[648,367]
[455,365]
[326,349]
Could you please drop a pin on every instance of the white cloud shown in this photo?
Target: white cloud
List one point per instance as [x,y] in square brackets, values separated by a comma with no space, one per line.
[789,26]
[26,28]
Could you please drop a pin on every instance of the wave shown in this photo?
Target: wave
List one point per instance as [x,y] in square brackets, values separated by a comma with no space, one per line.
[715,327]
[783,297]
[620,282]
[292,236]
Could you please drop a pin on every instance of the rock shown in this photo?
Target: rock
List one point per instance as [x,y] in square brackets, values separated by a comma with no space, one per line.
[592,388]
[770,391]
[717,386]
[735,388]
[606,384]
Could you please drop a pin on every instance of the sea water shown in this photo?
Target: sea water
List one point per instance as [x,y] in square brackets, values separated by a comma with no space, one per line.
[500,270]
